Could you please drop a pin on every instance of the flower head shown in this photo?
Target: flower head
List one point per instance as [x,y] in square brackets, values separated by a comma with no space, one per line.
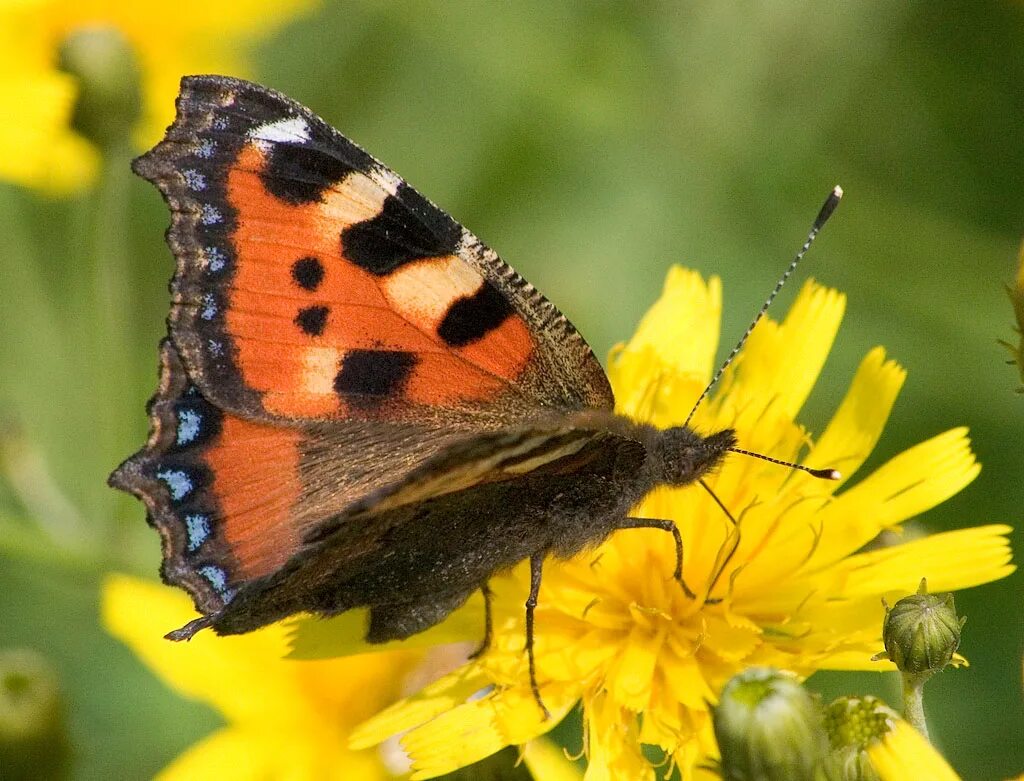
[922,632]
[285,719]
[769,727]
[41,147]
[788,585]
[870,741]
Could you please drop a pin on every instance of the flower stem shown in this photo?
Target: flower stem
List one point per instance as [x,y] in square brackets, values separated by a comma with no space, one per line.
[110,280]
[913,702]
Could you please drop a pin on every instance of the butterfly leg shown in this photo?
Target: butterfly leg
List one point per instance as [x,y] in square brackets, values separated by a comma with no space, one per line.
[536,563]
[193,626]
[668,526]
[485,589]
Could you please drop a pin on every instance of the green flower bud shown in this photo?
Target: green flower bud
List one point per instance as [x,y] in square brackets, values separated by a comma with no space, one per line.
[853,724]
[922,632]
[769,728]
[109,100]
[33,740]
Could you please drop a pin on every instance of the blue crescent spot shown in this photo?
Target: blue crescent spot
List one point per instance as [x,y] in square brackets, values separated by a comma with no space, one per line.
[178,482]
[189,425]
[205,148]
[197,528]
[209,307]
[210,215]
[219,580]
[215,259]
[193,179]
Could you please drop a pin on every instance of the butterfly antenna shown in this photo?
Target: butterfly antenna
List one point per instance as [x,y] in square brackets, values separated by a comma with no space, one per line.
[819,222]
[826,211]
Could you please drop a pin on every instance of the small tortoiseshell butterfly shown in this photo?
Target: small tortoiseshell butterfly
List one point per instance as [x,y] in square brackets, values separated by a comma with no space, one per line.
[360,404]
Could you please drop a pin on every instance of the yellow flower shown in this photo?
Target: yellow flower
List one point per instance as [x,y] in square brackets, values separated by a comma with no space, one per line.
[37,99]
[787,587]
[864,731]
[285,719]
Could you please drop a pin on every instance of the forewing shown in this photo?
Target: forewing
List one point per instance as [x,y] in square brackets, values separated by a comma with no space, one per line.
[313,283]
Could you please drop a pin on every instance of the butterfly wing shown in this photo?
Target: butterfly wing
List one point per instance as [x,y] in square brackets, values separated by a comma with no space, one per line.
[234,498]
[331,331]
[313,283]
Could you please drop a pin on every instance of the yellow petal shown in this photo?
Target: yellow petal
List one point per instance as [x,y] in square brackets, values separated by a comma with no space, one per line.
[660,373]
[234,754]
[950,560]
[547,761]
[854,430]
[781,362]
[612,736]
[631,673]
[682,326]
[442,695]
[903,753]
[474,730]
[914,481]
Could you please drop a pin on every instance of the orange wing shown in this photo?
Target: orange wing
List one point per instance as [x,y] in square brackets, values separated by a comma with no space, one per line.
[331,331]
[313,283]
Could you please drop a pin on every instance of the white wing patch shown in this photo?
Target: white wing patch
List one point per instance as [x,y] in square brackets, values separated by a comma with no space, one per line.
[284,131]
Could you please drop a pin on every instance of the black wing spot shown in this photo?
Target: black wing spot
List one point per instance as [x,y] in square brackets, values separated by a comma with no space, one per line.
[298,174]
[407,228]
[312,319]
[473,317]
[376,373]
[308,273]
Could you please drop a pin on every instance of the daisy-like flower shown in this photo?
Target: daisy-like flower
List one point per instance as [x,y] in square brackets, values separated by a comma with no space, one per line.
[787,586]
[285,719]
[864,731]
[37,99]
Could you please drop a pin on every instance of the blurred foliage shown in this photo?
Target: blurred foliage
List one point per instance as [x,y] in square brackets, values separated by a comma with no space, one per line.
[592,145]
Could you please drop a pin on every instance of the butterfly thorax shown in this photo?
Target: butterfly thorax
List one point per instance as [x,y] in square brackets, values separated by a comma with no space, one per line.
[680,456]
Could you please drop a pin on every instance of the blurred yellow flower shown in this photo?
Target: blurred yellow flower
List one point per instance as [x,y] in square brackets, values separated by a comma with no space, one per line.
[37,99]
[285,719]
[789,586]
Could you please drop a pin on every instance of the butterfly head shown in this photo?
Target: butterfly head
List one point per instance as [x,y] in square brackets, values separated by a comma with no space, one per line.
[680,456]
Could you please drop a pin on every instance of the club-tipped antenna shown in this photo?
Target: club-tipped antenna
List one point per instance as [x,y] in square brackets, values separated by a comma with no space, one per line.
[826,211]
[824,474]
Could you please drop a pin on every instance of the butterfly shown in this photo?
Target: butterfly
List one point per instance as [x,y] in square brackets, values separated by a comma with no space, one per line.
[360,404]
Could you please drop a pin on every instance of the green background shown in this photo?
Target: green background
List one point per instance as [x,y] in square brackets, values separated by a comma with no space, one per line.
[592,145]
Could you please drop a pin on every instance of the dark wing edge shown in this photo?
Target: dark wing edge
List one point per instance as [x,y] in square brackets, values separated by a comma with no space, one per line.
[166,476]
